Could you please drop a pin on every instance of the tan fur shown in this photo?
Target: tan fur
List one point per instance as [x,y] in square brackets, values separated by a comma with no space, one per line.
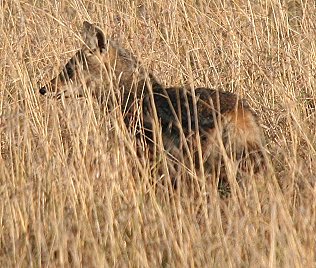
[223,127]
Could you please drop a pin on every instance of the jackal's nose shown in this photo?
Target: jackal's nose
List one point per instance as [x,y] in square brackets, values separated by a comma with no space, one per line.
[43,90]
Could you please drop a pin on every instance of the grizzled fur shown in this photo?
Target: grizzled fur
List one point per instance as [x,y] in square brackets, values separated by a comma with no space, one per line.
[219,121]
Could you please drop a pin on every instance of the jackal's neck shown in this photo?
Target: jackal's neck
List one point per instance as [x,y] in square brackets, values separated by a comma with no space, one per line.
[141,84]
[154,83]
[130,73]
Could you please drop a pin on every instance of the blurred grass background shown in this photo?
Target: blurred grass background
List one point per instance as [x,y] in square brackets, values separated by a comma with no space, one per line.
[72,192]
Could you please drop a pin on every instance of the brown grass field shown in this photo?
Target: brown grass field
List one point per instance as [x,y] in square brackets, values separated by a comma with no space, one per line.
[72,191]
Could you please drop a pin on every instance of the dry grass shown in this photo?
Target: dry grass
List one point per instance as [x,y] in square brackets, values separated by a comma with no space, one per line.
[72,191]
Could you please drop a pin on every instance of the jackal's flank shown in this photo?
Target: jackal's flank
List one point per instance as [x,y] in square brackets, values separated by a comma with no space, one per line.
[200,125]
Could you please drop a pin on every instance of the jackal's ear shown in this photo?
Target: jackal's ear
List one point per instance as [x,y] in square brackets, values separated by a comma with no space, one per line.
[93,36]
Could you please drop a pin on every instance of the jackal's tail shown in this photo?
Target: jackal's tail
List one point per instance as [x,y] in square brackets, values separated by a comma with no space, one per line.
[242,139]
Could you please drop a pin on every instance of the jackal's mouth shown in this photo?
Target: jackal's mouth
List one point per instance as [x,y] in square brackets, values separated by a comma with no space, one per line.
[59,95]
[53,95]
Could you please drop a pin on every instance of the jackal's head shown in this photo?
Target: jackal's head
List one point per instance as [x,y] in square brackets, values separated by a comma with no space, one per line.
[94,67]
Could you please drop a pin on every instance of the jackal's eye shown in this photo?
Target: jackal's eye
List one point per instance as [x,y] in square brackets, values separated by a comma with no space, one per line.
[68,72]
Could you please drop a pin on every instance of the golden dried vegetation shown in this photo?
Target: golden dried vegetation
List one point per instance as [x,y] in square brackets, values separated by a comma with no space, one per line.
[72,191]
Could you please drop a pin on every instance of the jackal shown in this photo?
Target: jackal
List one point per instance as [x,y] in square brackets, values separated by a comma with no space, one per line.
[201,125]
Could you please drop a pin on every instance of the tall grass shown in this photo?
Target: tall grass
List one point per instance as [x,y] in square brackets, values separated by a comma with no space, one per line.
[73,192]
